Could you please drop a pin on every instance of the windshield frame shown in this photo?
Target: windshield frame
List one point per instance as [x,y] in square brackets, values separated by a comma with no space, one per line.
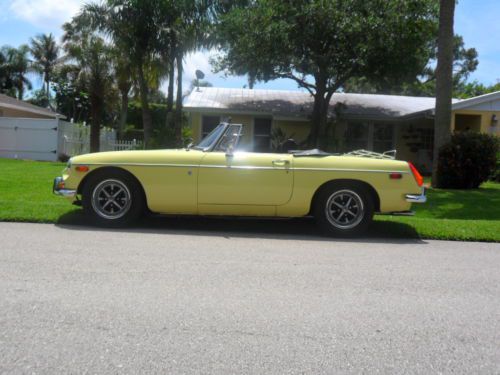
[221,129]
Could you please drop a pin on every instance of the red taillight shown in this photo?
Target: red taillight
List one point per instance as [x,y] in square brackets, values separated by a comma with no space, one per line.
[395,176]
[82,168]
[416,174]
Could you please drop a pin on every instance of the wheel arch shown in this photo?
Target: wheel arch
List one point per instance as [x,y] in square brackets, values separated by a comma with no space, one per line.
[103,170]
[347,182]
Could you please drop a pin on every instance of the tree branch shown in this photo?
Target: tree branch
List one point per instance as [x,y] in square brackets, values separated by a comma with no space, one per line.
[308,86]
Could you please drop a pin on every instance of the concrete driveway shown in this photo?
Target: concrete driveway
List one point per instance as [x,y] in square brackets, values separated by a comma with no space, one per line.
[75,299]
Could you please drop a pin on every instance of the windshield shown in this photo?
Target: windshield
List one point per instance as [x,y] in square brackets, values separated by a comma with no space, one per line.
[211,138]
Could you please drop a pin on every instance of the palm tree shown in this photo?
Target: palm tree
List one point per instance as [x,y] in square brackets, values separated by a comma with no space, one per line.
[444,82]
[45,53]
[124,80]
[93,58]
[14,66]
[134,28]
[190,22]
[20,65]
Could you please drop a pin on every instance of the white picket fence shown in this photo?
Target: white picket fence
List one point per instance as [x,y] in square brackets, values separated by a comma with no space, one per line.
[75,140]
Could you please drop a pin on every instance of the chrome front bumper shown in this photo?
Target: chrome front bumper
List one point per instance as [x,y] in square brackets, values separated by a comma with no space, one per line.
[58,188]
[412,198]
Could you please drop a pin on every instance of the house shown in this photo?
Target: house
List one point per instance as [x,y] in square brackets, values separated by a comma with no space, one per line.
[14,108]
[366,121]
[28,131]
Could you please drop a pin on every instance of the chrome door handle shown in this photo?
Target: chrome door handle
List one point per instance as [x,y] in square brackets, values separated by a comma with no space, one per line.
[281,162]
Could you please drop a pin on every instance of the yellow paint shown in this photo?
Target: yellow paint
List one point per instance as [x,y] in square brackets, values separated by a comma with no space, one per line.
[485,120]
[245,184]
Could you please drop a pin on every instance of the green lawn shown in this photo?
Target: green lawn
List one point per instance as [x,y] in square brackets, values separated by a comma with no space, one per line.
[471,215]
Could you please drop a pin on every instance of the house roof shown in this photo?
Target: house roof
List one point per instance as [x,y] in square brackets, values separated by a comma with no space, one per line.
[487,102]
[298,105]
[12,103]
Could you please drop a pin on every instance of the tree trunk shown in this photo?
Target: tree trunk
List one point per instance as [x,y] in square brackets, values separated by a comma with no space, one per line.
[147,121]
[444,82]
[123,111]
[319,118]
[178,102]
[95,124]
[171,77]
[47,90]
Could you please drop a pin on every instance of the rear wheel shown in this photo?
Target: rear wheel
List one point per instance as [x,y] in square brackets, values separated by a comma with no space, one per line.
[113,199]
[343,209]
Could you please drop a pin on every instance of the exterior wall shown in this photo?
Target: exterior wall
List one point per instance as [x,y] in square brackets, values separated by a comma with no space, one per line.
[9,112]
[485,120]
[414,143]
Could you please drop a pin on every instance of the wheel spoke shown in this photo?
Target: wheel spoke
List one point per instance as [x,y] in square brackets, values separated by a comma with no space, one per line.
[338,205]
[106,204]
[351,213]
[120,190]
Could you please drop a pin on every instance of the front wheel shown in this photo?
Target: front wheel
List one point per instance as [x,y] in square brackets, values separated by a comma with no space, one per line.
[113,199]
[344,209]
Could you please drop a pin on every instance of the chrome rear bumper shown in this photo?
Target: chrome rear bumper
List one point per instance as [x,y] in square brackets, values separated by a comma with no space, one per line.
[58,188]
[412,198]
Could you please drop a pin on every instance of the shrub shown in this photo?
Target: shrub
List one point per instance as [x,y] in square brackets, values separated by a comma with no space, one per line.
[467,160]
[62,157]
[496,173]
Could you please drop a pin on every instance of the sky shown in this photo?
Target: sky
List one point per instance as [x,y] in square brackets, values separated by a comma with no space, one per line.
[476,20]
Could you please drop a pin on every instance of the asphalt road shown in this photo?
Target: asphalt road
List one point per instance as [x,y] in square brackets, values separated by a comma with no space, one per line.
[175,300]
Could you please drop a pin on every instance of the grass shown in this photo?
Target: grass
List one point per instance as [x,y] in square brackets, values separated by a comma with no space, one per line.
[469,215]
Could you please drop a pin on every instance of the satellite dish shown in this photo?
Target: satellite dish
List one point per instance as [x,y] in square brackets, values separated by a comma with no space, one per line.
[199,74]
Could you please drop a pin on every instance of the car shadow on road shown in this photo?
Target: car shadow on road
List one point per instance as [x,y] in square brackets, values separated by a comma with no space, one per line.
[284,229]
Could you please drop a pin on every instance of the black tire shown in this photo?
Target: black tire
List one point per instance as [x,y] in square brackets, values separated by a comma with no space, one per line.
[343,209]
[121,210]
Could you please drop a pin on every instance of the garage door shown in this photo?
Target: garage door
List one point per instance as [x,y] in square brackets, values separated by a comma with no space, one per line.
[34,139]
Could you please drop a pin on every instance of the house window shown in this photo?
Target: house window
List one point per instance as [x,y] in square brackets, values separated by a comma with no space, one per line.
[262,134]
[427,138]
[383,137]
[356,136]
[208,123]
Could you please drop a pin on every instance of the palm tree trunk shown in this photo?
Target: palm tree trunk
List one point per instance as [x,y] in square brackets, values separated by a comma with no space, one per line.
[147,121]
[171,77]
[444,82]
[95,124]
[123,111]
[178,101]
[170,92]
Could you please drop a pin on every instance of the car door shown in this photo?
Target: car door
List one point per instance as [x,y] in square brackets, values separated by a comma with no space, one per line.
[245,178]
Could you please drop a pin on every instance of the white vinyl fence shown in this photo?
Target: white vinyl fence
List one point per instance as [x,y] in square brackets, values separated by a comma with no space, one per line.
[47,139]
[34,139]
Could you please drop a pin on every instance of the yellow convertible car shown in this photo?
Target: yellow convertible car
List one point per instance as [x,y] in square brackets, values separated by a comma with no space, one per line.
[213,178]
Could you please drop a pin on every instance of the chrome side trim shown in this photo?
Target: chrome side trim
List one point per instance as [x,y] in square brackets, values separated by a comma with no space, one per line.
[141,165]
[349,170]
[413,198]
[243,167]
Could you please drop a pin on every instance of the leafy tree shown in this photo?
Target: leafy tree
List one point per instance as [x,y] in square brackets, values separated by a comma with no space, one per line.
[45,52]
[465,62]
[444,82]
[471,89]
[71,96]
[322,44]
